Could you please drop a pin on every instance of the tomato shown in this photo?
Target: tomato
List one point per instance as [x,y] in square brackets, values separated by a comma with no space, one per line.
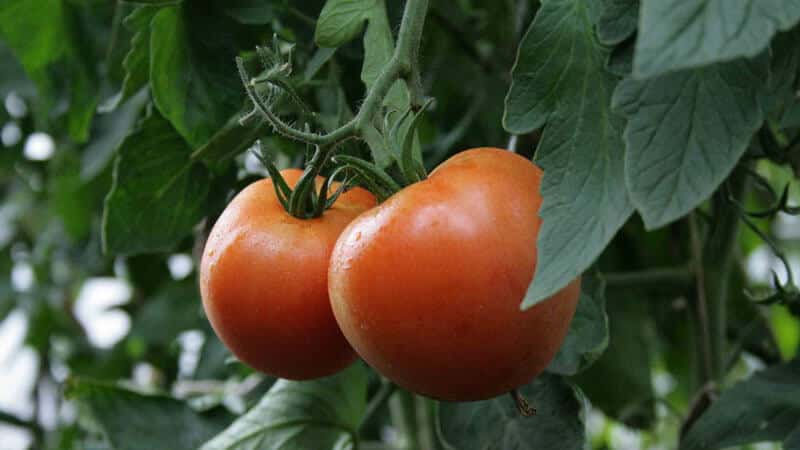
[263,280]
[427,286]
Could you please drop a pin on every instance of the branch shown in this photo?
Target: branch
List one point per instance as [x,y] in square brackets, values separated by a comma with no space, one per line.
[701,301]
[11,419]
[681,277]
[403,63]
[380,399]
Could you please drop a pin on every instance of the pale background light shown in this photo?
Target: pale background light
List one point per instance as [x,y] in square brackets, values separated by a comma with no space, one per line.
[94,309]
[15,105]
[39,147]
[180,265]
[11,134]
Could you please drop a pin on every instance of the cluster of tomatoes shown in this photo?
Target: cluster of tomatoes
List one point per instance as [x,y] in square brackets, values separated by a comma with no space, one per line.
[425,287]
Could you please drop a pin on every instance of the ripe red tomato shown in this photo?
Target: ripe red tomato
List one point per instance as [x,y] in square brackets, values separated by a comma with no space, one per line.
[427,286]
[263,279]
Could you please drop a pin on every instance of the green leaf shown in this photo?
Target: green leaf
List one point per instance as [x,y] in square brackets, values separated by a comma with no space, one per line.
[49,46]
[70,199]
[154,2]
[251,12]
[497,425]
[12,75]
[231,140]
[110,130]
[341,21]
[764,407]
[581,152]
[212,358]
[685,133]
[619,383]
[158,193]
[137,61]
[784,63]
[792,441]
[134,421]
[193,77]
[679,34]
[300,415]
[174,309]
[588,332]
[617,21]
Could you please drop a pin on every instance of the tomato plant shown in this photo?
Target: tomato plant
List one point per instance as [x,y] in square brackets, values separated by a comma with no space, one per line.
[159,156]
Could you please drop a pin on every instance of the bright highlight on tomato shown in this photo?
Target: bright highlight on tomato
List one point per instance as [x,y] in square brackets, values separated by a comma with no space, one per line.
[427,286]
[263,279]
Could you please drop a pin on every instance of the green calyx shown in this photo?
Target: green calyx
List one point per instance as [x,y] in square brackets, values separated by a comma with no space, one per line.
[304,201]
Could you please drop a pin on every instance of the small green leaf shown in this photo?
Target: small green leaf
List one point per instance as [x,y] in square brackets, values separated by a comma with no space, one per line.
[157,194]
[341,21]
[134,421]
[192,74]
[588,332]
[300,415]
[497,425]
[137,61]
[679,34]
[764,407]
[378,50]
[581,151]
[617,21]
[685,133]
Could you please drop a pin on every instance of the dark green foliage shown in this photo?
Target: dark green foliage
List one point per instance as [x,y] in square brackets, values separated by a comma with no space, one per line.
[638,112]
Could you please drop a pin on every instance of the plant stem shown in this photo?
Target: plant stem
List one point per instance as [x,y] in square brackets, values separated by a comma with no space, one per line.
[701,302]
[718,255]
[403,63]
[381,397]
[672,276]
[31,425]
[714,262]
[524,408]
[404,417]
[426,418]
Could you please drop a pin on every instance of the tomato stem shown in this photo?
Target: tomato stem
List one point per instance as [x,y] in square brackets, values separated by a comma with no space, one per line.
[523,406]
[404,64]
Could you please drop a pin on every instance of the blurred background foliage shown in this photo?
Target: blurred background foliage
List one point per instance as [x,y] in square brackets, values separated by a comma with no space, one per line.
[104,103]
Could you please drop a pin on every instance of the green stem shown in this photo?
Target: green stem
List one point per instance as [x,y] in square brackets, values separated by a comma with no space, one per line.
[680,277]
[403,63]
[714,265]
[11,419]
[718,256]
[701,302]
[403,410]
[381,397]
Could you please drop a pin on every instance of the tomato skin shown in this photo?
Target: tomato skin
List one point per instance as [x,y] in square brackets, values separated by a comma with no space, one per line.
[427,286]
[263,280]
